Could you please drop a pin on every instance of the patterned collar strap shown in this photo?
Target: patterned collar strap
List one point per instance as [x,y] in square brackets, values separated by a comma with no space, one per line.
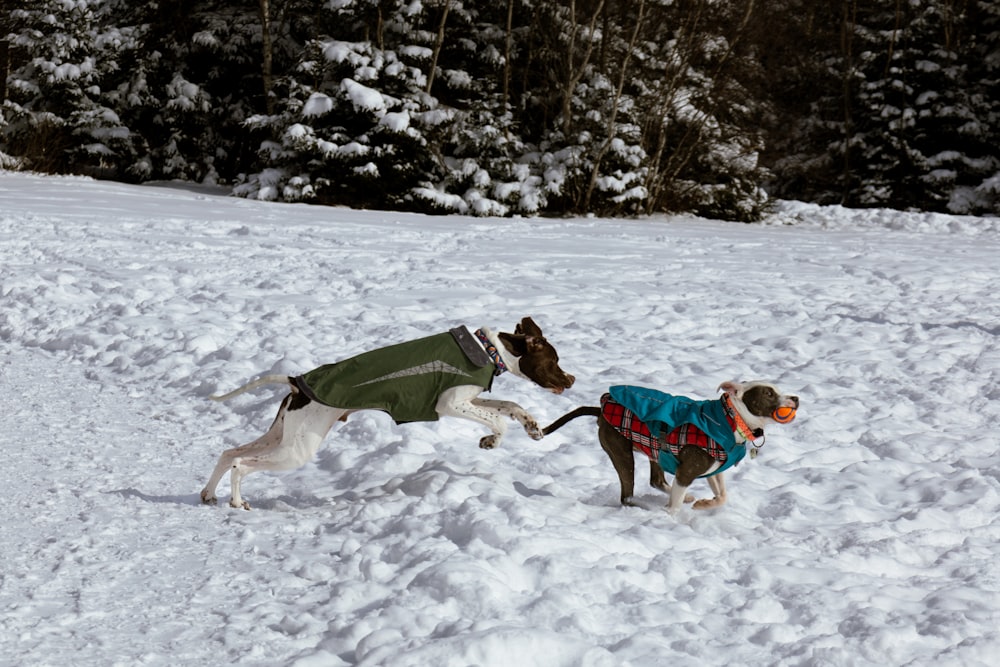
[739,424]
[494,353]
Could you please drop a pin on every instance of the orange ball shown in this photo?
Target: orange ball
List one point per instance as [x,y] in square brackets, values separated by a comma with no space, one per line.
[783,415]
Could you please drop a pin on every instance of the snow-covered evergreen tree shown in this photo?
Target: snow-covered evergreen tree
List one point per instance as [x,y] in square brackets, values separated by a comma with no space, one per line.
[911,122]
[486,161]
[61,112]
[128,91]
[701,111]
[808,60]
[953,133]
[350,119]
[590,156]
[397,105]
[520,106]
[984,75]
[198,78]
[919,138]
[492,109]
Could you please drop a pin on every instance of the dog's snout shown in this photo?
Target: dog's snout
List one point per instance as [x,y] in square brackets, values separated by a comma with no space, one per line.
[564,383]
[795,400]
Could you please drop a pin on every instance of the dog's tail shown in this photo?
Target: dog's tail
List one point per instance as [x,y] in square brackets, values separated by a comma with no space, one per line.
[585,411]
[267,379]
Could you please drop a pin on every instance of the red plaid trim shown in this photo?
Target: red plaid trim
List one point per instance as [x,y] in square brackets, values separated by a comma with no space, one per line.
[626,423]
[686,434]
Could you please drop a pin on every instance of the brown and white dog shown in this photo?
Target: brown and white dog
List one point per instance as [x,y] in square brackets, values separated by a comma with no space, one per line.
[746,408]
[452,378]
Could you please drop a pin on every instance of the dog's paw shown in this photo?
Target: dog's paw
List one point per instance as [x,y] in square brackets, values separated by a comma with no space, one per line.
[707,503]
[208,499]
[489,442]
[239,505]
[534,431]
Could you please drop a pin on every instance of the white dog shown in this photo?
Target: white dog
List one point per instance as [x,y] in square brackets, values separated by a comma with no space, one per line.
[421,380]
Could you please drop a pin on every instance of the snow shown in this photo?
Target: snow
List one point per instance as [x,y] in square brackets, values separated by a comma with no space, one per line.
[67,71]
[337,51]
[362,97]
[396,121]
[317,105]
[867,532]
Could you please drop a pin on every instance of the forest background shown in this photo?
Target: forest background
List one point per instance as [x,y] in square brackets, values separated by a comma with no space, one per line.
[507,107]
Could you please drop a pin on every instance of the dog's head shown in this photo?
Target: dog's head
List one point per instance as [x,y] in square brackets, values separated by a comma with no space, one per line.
[757,401]
[537,360]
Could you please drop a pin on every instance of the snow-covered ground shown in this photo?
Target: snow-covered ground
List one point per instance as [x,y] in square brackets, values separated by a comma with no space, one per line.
[867,532]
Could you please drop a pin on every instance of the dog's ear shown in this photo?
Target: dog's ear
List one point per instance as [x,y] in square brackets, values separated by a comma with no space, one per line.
[528,327]
[534,343]
[515,342]
[731,387]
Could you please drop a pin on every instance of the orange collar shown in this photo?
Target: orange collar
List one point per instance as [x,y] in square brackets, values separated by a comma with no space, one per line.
[740,426]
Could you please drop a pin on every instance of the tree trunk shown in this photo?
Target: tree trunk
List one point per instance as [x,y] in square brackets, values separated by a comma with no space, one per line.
[268,53]
[573,74]
[848,23]
[437,45]
[613,117]
[506,56]
[4,68]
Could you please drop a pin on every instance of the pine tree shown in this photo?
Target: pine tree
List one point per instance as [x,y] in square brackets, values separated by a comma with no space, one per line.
[479,147]
[591,157]
[702,121]
[349,121]
[198,78]
[984,80]
[60,112]
[807,55]
[916,117]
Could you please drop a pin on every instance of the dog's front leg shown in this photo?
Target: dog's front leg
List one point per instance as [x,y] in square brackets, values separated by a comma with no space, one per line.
[692,462]
[513,411]
[718,486]
[459,402]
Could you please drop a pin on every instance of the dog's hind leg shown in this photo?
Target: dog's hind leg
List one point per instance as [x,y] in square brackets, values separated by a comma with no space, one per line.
[658,481]
[304,427]
[656,478]
[267,441]
[294,436]
[619,450]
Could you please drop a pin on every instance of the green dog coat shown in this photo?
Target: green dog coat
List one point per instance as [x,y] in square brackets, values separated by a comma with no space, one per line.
[404,380]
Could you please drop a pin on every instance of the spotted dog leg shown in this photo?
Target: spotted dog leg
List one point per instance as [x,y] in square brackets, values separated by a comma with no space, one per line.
[460,402]
[513,411]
